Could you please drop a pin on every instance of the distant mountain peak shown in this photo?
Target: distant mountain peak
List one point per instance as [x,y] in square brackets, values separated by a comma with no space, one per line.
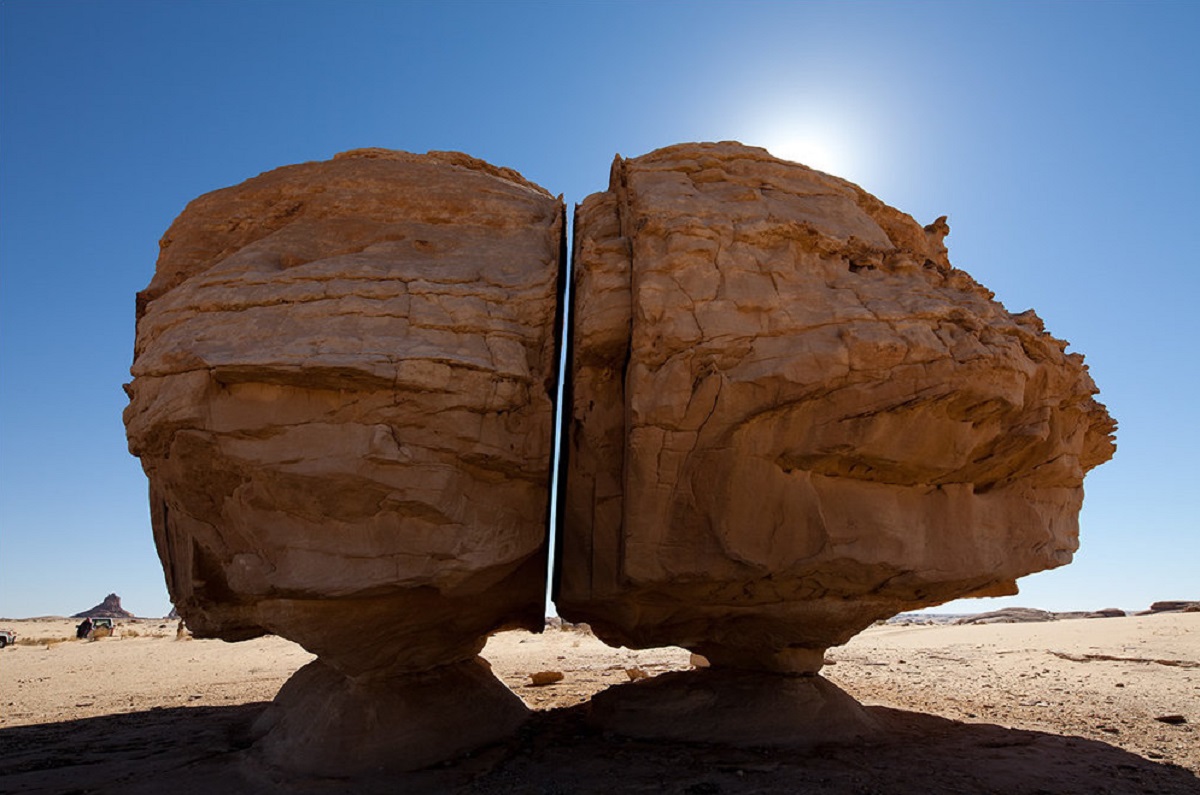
[109,608]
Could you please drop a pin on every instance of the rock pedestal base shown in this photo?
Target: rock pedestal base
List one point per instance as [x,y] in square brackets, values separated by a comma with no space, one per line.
[325,724]
[737,708]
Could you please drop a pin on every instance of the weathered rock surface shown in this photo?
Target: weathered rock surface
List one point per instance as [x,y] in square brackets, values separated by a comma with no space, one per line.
[1104,612]
[322,721]
[1172,606]
[343,403]
[791,417]
[109,608]
[736,708]
[1011,615]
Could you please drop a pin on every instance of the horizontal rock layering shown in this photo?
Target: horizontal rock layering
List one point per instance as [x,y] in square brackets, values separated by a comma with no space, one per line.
[343,389]
[790,416]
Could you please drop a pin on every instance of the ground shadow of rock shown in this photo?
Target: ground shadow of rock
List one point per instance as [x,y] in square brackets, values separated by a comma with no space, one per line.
[204,749]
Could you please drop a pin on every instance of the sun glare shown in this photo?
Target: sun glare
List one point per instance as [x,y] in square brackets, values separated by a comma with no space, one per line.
[812,152]
[822,143]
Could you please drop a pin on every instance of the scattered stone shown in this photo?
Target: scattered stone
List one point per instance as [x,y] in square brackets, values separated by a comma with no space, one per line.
[1112,658]
[542,678]
[635,674]
[1174,720]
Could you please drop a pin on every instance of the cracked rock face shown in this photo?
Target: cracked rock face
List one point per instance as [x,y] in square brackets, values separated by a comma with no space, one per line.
[343,402]
[790,416]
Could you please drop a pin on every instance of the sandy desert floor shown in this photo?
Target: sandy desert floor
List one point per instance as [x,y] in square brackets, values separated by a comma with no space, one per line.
[1071,706]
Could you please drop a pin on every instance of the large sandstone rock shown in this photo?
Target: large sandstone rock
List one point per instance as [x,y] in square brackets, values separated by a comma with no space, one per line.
[791,417]
[343,403]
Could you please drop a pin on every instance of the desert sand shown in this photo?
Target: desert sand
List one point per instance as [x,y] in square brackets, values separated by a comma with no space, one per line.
[1062,707]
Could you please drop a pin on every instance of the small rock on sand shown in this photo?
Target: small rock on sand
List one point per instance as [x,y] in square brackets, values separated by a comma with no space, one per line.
[542,678]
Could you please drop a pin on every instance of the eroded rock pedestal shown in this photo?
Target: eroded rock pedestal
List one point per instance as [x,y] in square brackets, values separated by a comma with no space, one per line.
[343,403]
[728,706]
[790,416]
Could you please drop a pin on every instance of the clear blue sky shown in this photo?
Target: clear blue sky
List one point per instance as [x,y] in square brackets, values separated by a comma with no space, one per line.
[1062,139]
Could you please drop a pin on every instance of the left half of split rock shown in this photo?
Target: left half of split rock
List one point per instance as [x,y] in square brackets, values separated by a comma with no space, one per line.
[343,400]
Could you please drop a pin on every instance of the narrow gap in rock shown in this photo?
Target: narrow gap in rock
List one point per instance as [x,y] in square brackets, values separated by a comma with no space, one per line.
[562,407]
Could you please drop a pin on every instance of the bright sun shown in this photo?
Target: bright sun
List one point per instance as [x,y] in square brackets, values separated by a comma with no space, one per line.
[820,143]
[812,152]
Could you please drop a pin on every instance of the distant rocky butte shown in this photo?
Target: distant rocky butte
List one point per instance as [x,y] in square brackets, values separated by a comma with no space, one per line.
[790,416]
[343,402]
[109,608]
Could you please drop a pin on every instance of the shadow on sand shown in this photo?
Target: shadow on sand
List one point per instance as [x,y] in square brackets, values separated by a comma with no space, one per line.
[190,750]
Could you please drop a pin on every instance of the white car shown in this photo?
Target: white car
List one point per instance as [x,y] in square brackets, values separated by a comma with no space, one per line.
[7,638]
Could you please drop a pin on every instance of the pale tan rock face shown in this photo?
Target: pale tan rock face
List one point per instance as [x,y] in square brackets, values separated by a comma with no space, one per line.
[790,416]
[343,402]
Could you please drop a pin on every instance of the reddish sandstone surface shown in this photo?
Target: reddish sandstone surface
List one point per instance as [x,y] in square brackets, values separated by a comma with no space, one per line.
[343,400]
[791,416]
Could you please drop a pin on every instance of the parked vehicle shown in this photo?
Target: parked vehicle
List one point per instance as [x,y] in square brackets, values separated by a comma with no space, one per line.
[7,638]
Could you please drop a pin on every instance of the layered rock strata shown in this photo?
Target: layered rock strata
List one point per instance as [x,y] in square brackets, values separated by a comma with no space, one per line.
[790,416]
[344,375]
